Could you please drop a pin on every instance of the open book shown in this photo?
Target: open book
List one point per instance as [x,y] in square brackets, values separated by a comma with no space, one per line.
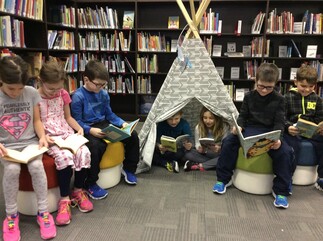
[257,144]
[173,143]
[307,128]
[24,156]
[72,143]
[208,142]
[115,134]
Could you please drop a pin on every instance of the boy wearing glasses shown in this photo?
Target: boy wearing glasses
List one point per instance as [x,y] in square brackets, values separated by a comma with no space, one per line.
[303,102]
[262,110]
[91,108]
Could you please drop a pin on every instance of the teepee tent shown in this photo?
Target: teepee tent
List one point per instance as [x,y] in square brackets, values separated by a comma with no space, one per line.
[192,82]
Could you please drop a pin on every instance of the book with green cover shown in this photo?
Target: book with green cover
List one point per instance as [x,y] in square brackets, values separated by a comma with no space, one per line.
[172,144]
[115,134]
[128,19]
[307,128]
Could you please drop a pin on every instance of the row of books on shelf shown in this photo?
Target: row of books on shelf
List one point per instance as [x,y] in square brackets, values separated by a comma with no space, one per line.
[149,42]
[104,17]
[12,33]
[147,64]
[211,22]
[236,93]
[26,8]
[61,40]
[63,15]
[105,42]
[125,85]
[311,23]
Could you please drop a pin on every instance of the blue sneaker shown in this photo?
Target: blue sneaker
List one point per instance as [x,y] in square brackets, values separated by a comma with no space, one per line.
[280,201]
[319,184]
[220,187]
[96,192]
[129,177]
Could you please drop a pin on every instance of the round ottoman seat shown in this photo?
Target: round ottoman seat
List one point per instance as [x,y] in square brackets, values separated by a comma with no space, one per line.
[27,201]
[254,175]
[110,165]
[306,169]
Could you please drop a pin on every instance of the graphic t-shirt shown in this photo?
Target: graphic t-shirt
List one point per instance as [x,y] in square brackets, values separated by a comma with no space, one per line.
[17,119]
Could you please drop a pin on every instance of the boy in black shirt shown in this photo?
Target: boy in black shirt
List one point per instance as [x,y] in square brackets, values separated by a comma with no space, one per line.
[262,110]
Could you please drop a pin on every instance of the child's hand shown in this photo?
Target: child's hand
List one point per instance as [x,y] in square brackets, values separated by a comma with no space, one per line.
[235,131]
[216,148]
[97,132]
[3,150]
[293,131]
[200,149]
[276,145]
[320,130]
[80,132]
[49,140]
[162,149]
[187,145]
[43,142]
[124,124]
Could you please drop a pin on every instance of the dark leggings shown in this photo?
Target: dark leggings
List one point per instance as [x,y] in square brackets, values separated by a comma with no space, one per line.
[64,180]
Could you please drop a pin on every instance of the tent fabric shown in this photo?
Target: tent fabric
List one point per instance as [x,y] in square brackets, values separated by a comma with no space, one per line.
[188,89]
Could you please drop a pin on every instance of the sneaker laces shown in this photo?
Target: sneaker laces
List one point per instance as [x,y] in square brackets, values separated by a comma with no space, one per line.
[80,197]
[45,218]
[11,223]
[281,197]
[169,166]
[64,206]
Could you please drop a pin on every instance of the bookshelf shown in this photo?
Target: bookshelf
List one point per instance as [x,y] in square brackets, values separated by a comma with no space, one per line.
[152,45]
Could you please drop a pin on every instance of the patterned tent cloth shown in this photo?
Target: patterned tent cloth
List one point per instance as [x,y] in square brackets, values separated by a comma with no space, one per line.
[189,85]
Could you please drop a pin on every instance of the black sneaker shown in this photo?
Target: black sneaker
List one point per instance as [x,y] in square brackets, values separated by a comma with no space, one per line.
[187,166]
[175,167]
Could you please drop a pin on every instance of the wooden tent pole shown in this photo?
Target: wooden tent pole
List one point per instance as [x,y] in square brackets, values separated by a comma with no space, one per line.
[193,12]
[188,19]
[202,8]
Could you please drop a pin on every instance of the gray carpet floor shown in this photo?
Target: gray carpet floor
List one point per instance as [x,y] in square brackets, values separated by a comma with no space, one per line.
[166,206]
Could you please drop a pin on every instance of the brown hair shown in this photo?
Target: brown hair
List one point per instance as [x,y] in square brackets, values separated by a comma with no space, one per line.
[308,73]
[267,72]
[94,69]
[218,128]
[13,70]
[51,72]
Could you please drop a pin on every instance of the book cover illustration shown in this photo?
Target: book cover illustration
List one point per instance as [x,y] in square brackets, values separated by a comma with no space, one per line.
[24,156]
[128,19]
[172,144]
[209,142]
[173,22]
[307,128]
[115,134]
[257,144]
[72,143]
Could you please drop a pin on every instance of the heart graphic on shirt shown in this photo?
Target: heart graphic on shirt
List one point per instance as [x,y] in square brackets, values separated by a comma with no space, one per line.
[15,124]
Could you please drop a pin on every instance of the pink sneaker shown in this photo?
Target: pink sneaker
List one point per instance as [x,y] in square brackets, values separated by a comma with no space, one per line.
[47,225]
[82,201]
[10,228]
[64,214]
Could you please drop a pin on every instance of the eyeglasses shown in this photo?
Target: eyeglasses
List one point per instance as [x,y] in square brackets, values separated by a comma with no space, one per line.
[50,89]
[262,87]
[98,85]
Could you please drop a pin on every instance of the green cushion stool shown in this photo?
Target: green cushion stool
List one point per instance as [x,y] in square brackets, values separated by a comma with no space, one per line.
[254,175]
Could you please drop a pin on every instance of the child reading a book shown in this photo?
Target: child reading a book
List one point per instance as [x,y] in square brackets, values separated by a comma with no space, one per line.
[174,126]
[57,120]
[21,129]
[91,109]
[262,110]
[303,102]
[205,157]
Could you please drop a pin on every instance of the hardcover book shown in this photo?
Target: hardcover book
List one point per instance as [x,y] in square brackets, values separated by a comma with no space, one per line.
[209,142]
[173,143]
[72,143]
[115,134]
[257,144]
[308,128]
[128,19]
[24,156]
[173,22]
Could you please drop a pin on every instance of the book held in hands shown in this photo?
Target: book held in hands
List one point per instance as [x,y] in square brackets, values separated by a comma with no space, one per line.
[208,142]
[72,143]
[115,134]
[24,156]
[308,128]
[173,143]
[257,144]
